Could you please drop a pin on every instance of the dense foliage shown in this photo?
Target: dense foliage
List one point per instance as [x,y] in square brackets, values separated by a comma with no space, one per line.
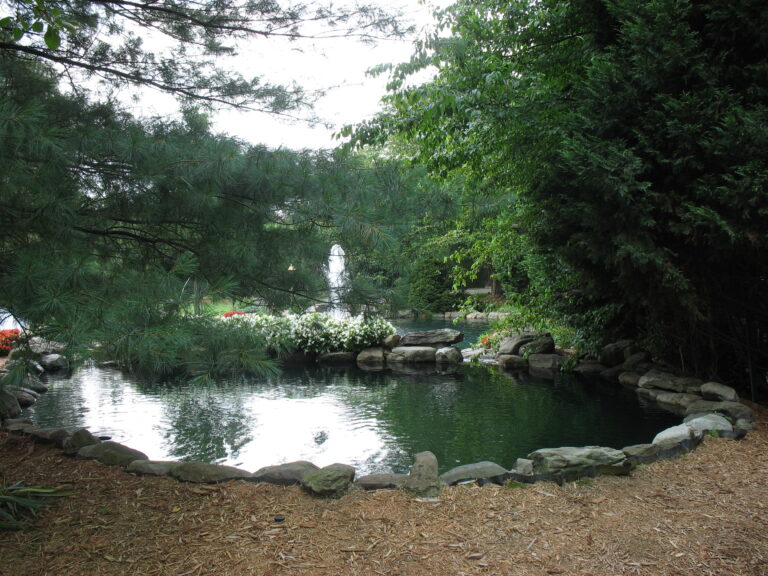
[629,141]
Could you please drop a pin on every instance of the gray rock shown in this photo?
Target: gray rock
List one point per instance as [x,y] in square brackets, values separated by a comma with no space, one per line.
[151,467]
[524,466]
[470,354]
[569,463]
[744,423]
[423,479]
[676,402]
[543,344]
[381,481]
[630,379]
[24,398]
[545,362]
[203,473]
[330,481]
[717,391]
[589,368]
[676,434]
[288,474]
[42,346]
[633,361]
[371,357]
[613,354]
[662,381]
[411,355]
[436,338]
[690,385]
[10,423]
[702,423]
[512,362]
[35,384]
[54,362]
[392,341]
[642,453]
[336,358]
[9,405]
[77,440]
[56,436]
[110,453]
[489,471]
[512,344]
[449,355]
[734,410]
[648,393]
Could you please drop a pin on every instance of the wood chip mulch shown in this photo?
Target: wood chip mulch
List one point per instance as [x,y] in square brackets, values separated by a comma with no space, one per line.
[703,514]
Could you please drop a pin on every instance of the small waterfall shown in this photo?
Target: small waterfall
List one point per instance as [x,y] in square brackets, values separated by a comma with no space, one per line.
[337,281]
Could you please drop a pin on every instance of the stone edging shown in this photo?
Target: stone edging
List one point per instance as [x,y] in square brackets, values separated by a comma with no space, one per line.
[702,404]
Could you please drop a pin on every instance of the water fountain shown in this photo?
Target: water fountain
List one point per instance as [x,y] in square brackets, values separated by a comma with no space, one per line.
[337,282]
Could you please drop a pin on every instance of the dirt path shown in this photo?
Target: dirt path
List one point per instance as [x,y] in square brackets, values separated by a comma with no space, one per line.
[703,514]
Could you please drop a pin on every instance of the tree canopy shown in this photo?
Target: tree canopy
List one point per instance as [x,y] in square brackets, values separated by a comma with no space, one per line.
[629,139]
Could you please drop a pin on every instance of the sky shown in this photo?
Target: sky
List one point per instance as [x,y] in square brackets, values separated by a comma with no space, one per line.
[338,67]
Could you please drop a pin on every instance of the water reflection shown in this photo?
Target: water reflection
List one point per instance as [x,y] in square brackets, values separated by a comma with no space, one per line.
[374,421]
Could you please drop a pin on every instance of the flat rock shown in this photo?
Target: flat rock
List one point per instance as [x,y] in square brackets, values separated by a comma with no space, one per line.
[577,461]
[718,392]
[411,355]
[110,453]
[330,481]
[545,362]
[676,402]
[54,362]
[203,473]
[289,474]
[734,410]
[641,453]
[56,436]
[436,338]
[662,381]
[702,423]
[381,481]
[152,467]
[449,355]
[589,368]
[630,379]
[489,471]
[423,478]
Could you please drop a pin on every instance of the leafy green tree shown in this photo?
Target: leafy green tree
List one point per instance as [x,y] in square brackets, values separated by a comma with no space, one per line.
[631,138]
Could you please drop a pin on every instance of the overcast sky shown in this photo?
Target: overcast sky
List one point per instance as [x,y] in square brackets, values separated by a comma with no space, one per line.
[337,67]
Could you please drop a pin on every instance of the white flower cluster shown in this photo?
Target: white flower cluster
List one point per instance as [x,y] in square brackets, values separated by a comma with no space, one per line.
[318,333]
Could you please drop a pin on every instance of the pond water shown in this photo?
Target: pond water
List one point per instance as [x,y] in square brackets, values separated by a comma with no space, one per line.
[374,421]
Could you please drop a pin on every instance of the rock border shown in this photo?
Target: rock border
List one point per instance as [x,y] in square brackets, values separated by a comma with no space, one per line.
[708,408]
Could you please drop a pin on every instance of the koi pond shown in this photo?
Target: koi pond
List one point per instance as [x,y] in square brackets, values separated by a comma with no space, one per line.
[374,421]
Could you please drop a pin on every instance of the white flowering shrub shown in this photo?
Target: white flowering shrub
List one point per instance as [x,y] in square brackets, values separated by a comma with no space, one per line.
[317,333]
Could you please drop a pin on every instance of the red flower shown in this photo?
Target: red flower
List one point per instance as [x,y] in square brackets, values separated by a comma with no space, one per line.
[233,313]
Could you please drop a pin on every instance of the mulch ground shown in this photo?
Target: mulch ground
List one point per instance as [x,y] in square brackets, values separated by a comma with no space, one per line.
[703,514]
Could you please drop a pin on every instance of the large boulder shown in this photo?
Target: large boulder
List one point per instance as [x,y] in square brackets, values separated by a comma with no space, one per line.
[9,405]
[411,354]
[716,391]
[79,439]
[512,362]
[543,344]
[54,362]
[381,481]
[435,338]
[742,415]
[569,463]
[330,481]
[110,453]
[613,354]
[702,423]
[512,344]
[288,474]
[423,479]
[26,398]
[483,471]
[371,357]
[676,402]
[203,473]
[676,434]
[449,355]
[662,381]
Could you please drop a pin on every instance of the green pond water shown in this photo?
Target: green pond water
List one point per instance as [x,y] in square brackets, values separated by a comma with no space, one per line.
[374,421]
